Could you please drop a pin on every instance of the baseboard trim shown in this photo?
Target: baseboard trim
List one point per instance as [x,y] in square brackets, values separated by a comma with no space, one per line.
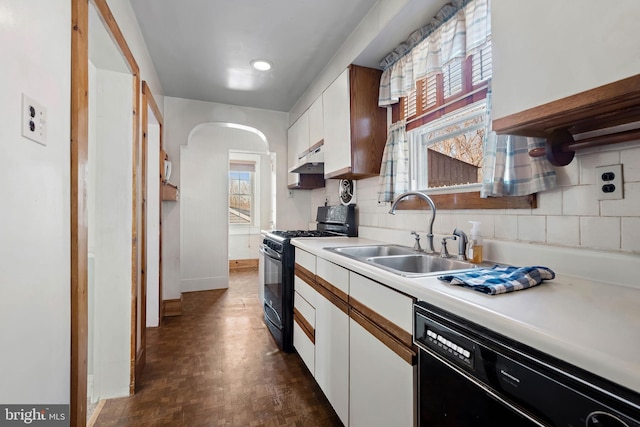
[243,264]
[172,307]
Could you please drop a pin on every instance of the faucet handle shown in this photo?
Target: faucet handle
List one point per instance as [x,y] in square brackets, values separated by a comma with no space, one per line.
[444,253]
[416,245]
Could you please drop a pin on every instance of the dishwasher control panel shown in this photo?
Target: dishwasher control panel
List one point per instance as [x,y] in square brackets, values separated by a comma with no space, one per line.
[434,336]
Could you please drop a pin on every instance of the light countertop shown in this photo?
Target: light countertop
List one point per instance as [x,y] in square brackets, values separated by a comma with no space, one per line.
[592,324]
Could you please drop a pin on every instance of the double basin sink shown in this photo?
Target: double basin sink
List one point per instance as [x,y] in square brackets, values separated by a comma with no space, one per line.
[405,261]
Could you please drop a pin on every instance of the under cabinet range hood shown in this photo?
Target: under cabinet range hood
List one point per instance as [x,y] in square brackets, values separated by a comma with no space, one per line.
[311,161]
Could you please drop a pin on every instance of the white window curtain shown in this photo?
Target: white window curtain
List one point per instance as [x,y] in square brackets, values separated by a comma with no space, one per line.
[394,171]
[459,36]
[460,29]
[510,171]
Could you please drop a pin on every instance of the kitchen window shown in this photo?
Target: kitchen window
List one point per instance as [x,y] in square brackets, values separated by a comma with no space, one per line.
[447,117]
[243,196]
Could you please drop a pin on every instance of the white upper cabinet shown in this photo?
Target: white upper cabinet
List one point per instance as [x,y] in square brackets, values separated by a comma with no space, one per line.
[316,128]
[298,142]
[533,67]
[354,126]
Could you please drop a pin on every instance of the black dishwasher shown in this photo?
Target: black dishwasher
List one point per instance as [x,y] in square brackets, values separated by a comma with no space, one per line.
[471,376]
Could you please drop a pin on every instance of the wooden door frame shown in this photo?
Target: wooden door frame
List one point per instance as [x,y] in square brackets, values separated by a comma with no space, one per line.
[148,101]
[79,227]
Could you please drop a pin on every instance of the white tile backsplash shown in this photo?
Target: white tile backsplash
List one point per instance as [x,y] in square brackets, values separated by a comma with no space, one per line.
[600,232]
[563,230]
[631,164]
[580,200]
[631,234]
[532,228]
[589,162]
[569,216]
[549,202]
[629,206]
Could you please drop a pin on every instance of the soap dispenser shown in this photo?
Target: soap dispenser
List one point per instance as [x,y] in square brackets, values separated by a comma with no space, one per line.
[474,253]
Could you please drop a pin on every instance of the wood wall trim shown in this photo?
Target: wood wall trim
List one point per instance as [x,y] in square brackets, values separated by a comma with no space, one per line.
[79,143]
[408,354]
[172,307]
[470,200]
[243,264]
[151,102]
[383,323]
[148,101]
[306,327]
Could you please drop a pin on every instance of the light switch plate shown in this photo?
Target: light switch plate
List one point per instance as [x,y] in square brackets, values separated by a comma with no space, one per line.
[609,182]
[34,120]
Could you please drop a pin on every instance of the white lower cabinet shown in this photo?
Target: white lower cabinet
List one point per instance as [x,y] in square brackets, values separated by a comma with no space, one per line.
[381,383]
[304,330]
[332,356]
[368,374]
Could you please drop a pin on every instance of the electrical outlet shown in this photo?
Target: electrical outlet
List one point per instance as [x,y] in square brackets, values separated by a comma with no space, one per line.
[609,183]
[34,120]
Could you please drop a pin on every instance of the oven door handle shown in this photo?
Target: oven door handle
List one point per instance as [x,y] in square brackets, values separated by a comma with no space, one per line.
[267,251]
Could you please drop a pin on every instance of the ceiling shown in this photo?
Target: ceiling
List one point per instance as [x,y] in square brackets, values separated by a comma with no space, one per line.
[202,49]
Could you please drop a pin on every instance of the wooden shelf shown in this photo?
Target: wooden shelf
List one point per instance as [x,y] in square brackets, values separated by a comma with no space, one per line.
[600,109]
[169,192]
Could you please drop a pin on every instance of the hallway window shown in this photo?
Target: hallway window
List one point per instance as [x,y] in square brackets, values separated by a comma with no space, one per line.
[241,192]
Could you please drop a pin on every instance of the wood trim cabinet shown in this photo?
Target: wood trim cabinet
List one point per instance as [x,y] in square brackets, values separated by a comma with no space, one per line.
[359,331]
[355,128]
[600,109]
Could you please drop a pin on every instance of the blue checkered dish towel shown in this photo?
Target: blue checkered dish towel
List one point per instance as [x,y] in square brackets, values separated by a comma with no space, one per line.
[499,280]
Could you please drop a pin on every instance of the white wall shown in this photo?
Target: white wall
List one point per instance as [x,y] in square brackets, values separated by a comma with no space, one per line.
[112,232]
[34,219]
[153,222]
[181,117]
[128,23]
[546,50]
[204,204]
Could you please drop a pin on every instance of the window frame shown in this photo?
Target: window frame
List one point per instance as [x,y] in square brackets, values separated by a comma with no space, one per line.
[254,226]
[462,196]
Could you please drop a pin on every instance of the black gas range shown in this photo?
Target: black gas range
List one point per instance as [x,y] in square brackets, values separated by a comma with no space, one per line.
[279,261]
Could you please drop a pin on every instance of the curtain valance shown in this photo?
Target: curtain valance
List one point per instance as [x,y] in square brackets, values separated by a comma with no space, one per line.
[464,33]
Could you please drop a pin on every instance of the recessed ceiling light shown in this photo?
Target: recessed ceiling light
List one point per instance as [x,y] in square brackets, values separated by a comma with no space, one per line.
[261,64]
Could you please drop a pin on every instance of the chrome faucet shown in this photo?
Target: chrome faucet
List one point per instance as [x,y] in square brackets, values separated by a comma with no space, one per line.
[462,243]
[427,199]
[444,253]
[416,245]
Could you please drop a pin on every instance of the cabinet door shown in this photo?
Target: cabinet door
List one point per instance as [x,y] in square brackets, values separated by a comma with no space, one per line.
[382,383]
[337,125]
[332,355]
[316,129]
[297,143]
[304,330]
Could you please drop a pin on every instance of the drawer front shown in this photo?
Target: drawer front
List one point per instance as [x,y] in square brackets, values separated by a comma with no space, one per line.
[305,309]
[306,260]
[392,305]
[305,290]
[304,347]
[334,274]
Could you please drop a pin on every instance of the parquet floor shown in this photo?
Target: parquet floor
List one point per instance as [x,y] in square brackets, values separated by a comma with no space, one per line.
[217,365]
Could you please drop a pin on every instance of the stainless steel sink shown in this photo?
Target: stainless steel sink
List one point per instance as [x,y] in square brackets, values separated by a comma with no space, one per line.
[405,261]
[421,263]
[372,251]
